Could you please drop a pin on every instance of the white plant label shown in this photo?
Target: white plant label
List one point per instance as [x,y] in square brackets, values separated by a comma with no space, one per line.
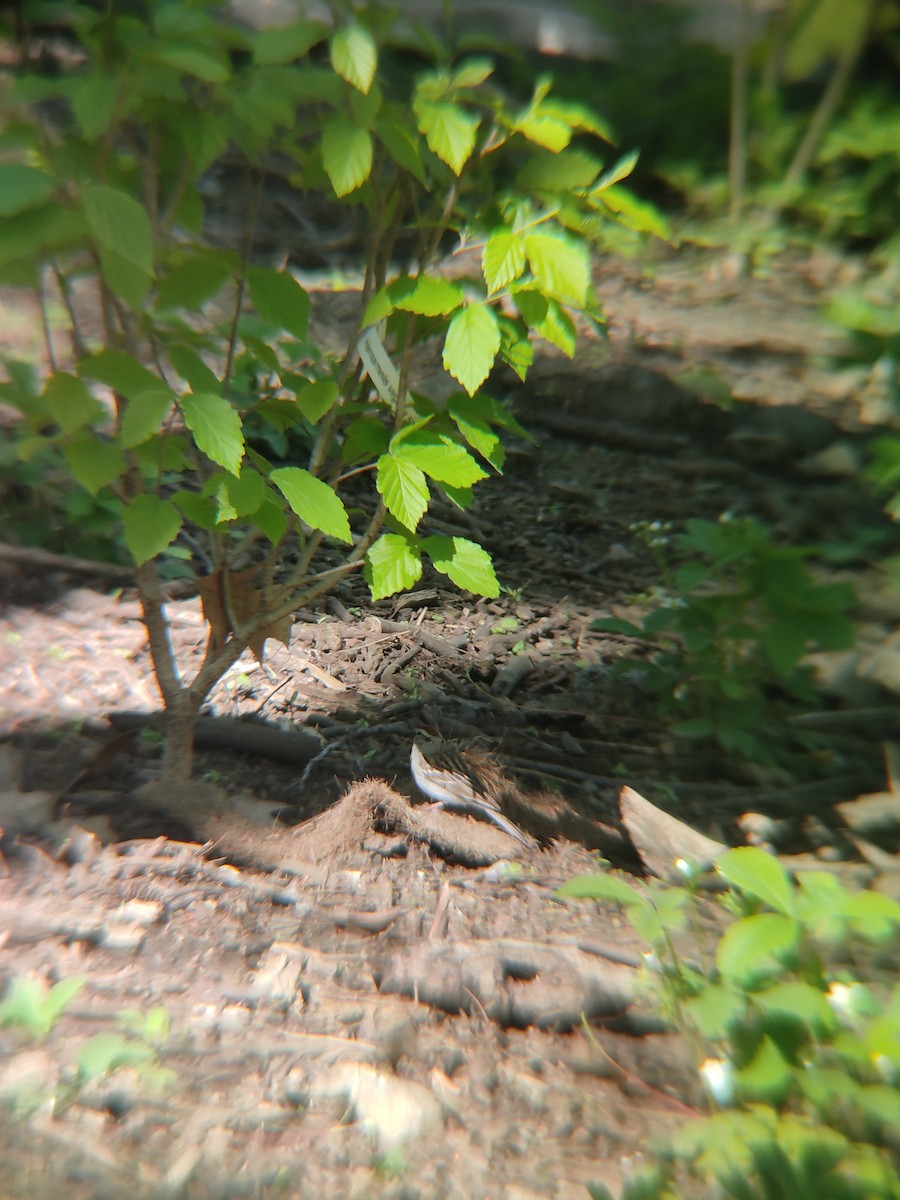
[378,365]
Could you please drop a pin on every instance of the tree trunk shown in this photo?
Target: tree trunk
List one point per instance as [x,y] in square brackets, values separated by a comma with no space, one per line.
[178,757]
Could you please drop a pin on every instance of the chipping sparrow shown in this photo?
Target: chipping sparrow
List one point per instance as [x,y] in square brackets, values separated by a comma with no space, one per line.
[442,774]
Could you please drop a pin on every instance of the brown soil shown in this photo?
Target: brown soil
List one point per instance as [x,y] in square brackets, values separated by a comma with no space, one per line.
[364,1006]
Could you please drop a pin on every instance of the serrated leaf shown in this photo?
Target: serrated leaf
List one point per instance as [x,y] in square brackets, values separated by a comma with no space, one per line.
[561,267]
[198,509]
[354,56]
[428,297]
[22,187]
[755,946]
[144,415]
[279,299]
[449,131]
[120,225]
[216,427]
[392,565]
[380,306]
[346,154]
[285,45]
[547,131]
[149,525]
[637,214]
[440,458]
[471,422]
[471,346]
[759,874]
[246,492]
[502,260]
[466,563]
[559,329]
[402,486]
[314,502]
[94,463]
[316,399]
[533,306]
[70,403]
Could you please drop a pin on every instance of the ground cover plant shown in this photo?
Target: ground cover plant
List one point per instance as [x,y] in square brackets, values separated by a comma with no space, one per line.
[795,1024]
[195,347]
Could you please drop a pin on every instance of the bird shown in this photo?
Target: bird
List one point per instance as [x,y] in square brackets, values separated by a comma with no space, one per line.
[446,778]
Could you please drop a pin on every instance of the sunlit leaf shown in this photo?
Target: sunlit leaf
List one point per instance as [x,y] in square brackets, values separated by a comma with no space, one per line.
[471,346]
[466,563]
[216,427]
[392,565]
[313,501]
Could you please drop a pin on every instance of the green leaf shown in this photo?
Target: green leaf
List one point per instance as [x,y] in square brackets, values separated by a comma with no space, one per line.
[316,399]
[561,266]
[392,565]
[30,1004]
[216,428]
[714,1009]
[767,1077]
[755,946]
[346,154]
[471,346]
[144,415]
[279,299]
[602,887]
[502,260]
[618,171]
[107,1052]
[94,463]
[568,171]
[559,329]
[439,457]
[120,225]
[379,307]
[22,187]
[354,56]
[428,297]
[472,73]
[617,625]
[544,130]
[150,525]
[288,43]
[466,563]
[93,103]
[639,215]
[800,1000]
[449,131]
[70,402]
[191,283]
[872,915]
[246,491]
[313,501]
[119,371]
[198,509]
[193,62]
[401,484]
[759,874]
[468,415]
[402,146]
[191,367]
[532,305]
[271,519]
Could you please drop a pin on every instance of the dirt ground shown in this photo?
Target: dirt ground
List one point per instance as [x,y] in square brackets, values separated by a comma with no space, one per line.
[385,1001]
